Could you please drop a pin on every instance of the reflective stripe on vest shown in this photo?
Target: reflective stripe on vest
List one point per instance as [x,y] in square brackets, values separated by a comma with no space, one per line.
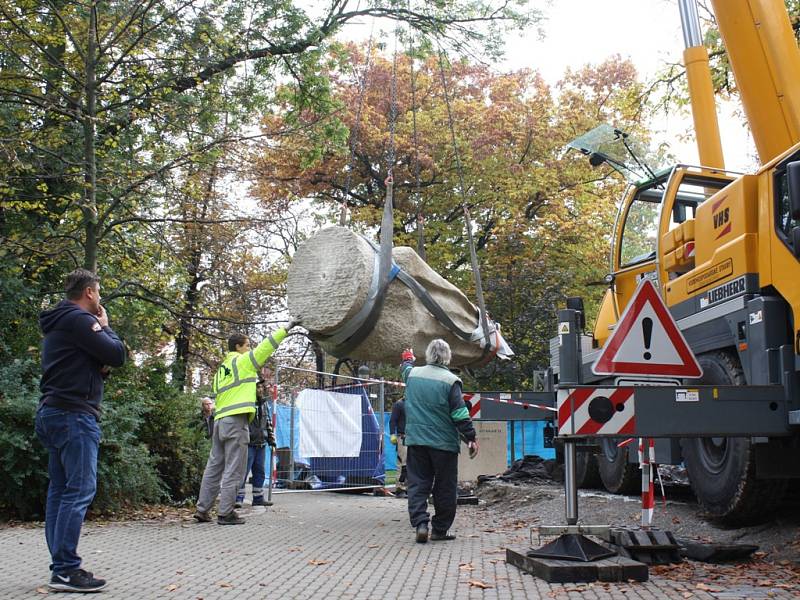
[231,407]
[236,381]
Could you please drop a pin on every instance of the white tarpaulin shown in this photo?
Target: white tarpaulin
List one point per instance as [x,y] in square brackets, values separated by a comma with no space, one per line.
[330,424]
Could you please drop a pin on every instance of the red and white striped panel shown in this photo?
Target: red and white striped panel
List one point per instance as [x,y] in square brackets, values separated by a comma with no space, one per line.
[578,401]
[475,405]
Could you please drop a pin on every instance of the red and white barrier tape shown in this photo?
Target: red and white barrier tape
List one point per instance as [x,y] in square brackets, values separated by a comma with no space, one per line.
[480,397]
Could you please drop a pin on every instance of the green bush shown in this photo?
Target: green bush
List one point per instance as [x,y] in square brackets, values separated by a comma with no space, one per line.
[23,475]
[152,448]
[125,472]
[171,429]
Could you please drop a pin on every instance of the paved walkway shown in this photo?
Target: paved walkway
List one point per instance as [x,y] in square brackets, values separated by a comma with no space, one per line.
[308,546]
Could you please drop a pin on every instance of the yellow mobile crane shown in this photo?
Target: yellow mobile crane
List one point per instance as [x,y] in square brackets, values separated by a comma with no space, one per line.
[723,249]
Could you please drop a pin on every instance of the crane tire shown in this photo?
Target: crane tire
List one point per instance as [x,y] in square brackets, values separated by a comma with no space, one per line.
[617,474]
[586,470]
[722,471]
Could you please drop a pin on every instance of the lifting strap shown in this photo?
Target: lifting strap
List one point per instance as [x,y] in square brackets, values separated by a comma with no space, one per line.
[463,191]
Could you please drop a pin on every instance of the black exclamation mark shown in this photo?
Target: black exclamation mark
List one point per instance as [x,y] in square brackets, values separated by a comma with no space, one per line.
[647,330]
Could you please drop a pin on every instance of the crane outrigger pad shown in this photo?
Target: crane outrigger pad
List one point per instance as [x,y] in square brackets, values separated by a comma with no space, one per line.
[614,568]
[572,546]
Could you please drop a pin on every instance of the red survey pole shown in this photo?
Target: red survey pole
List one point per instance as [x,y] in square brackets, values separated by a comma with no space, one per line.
[647,459]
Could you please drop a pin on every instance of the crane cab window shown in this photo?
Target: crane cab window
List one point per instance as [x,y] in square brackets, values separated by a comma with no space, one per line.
[640,233]
[783,206]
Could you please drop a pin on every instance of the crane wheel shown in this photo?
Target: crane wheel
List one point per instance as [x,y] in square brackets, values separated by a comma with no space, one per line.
[618,475]
[722,470]
[586,472]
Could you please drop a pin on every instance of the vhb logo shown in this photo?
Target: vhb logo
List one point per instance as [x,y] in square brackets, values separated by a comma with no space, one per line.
[721,217]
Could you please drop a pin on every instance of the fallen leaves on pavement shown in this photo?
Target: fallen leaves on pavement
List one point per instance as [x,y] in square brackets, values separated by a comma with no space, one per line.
[480,584]
[317,562]
[755,573]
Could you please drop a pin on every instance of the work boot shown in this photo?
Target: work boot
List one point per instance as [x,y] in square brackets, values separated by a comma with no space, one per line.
[400,494]
[202,517]
[259,501]
[239,502]
[422,533]
[76,581]
[232,518]
[439,536]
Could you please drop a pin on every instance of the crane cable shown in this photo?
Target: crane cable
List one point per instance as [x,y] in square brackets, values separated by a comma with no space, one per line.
[462,190]
[415,141]
[362,92]
[350,335]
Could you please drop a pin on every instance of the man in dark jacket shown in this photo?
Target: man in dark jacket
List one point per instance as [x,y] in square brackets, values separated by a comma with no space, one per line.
[78,349]
[397,432]
[436,417]
[261,436]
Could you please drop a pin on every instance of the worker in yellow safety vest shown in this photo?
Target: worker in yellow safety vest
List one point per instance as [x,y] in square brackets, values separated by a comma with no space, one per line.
[235,388]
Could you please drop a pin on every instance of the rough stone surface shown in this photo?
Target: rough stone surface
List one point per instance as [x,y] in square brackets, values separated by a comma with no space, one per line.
[324,546]
[329,281]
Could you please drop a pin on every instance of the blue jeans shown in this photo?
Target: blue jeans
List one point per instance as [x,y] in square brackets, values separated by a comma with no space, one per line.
[72,439]
[256,461]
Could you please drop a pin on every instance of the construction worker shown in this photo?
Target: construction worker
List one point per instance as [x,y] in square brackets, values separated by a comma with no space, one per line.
[436,417]
[235,388]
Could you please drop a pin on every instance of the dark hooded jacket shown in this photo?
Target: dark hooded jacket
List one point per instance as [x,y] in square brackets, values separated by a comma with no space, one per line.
[74,351]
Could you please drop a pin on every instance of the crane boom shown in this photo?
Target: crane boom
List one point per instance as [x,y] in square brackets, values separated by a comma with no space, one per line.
[765,61]
[701,91]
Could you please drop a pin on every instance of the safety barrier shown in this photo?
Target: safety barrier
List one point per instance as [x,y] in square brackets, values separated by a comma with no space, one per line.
[329,430]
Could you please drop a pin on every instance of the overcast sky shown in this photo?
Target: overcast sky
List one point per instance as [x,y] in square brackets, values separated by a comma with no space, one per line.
[577,32]
[646,31]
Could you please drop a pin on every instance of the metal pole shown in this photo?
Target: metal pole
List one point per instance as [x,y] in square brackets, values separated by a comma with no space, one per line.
[291,439]
[381,406]
[569,375]
[275,432]
[513,441]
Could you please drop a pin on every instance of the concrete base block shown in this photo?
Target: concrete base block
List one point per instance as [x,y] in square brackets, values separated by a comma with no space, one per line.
[616,568]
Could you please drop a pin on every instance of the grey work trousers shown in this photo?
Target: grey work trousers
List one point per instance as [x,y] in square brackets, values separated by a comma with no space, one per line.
[226,464]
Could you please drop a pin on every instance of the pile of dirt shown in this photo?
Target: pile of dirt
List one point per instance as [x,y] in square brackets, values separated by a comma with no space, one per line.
[530,469]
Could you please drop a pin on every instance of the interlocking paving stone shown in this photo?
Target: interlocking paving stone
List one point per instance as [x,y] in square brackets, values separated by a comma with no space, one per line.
[363,547]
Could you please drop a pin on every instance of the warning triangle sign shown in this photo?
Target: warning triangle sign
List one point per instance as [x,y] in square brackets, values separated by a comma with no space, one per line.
[647,341]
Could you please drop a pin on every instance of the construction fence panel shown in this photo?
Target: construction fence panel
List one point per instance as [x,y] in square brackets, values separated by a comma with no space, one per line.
[330,431]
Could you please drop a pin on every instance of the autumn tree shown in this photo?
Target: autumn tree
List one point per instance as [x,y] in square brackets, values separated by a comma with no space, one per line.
[112,114]
[542,216]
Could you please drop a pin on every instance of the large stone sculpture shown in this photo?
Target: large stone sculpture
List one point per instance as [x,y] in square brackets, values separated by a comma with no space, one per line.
[330,281]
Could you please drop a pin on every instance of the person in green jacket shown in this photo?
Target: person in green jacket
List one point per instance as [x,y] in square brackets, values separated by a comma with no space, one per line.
[235,388]
[436,417]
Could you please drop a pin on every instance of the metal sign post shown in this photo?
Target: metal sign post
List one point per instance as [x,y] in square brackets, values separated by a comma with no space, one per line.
[570,375]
